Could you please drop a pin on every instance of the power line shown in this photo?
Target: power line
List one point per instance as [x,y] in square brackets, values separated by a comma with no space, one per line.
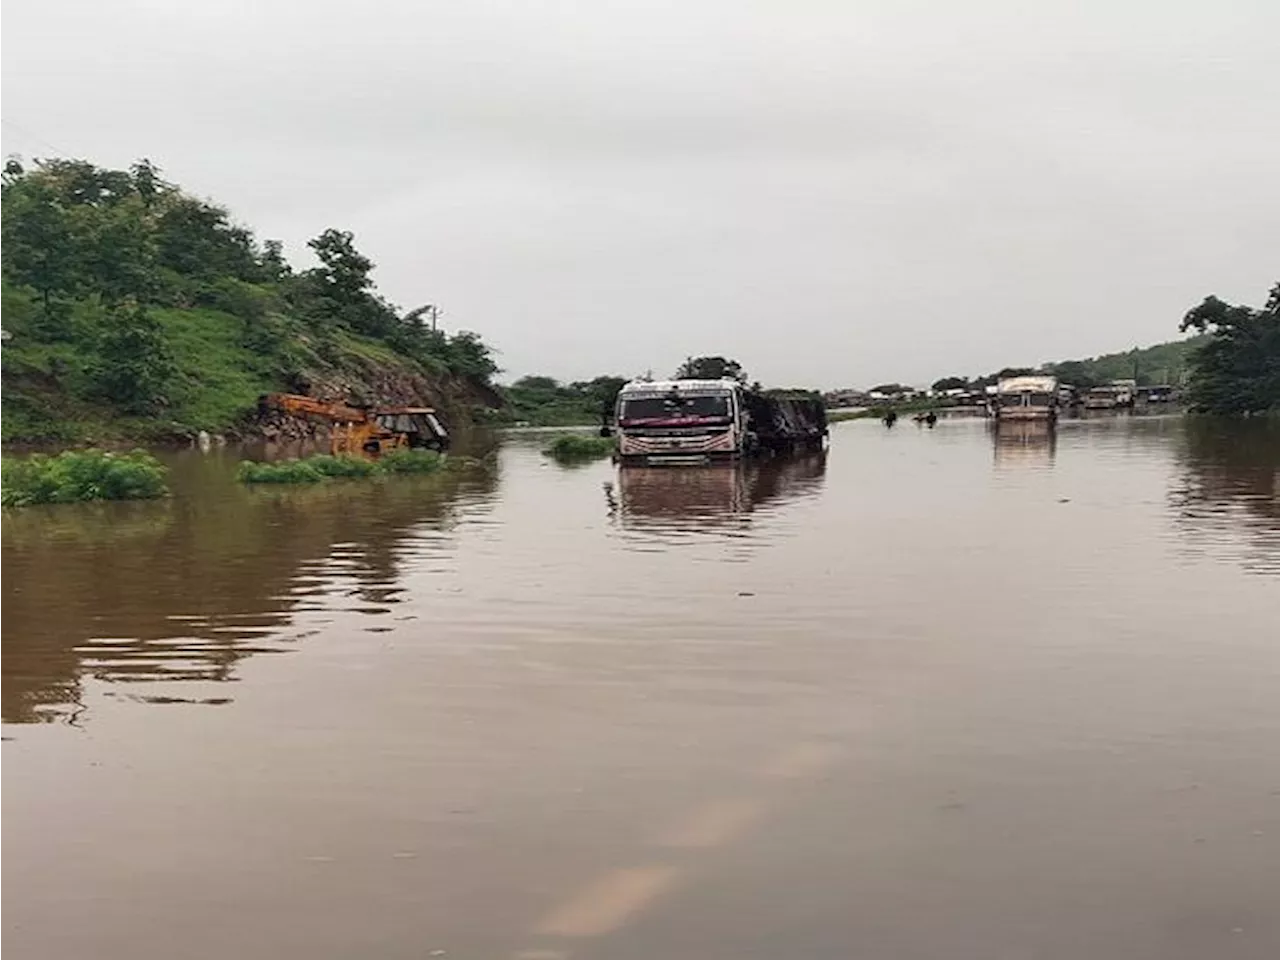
[27,132]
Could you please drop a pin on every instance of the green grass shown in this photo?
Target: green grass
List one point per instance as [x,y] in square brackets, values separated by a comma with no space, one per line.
[218,378]
[324,467]
[575,448]
[81,475]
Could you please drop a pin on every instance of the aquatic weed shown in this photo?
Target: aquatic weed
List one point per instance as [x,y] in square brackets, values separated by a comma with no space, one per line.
[81,475]
[572,448]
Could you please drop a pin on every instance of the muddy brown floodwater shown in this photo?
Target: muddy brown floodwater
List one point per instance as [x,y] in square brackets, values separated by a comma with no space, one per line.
[935,695]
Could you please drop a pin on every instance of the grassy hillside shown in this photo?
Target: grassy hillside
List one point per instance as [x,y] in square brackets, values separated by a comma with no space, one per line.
[50,395]
[134,311]
[1162,363]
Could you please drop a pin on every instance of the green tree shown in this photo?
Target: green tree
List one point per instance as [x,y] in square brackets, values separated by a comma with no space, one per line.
[13,171]
[1238,370]
[118,251]
[1078,373]
[711,368]
[602,389]
[39,249]
[146,181]
[343,267]
[81,184]
[198,240]
[471,356]
[951,383]
[341,289]
[134,362]
[272,261]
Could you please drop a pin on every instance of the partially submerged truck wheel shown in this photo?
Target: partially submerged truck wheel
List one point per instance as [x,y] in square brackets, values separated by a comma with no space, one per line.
[697,421]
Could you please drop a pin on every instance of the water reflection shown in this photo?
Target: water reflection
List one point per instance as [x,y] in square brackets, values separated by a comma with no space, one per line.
[1023,442]
[183,590]
[713,498]
[1230,482]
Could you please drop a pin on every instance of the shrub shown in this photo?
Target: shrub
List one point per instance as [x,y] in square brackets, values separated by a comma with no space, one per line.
[572,448]
[80,475]
[342,466]
[322,467]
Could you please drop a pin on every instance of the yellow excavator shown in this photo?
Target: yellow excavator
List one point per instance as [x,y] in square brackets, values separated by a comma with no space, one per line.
[364,431]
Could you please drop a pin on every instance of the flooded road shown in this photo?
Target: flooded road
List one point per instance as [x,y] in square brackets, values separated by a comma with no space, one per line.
[935,695]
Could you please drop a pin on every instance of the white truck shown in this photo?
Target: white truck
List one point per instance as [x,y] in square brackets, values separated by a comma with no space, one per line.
[1027,398]
[693,421]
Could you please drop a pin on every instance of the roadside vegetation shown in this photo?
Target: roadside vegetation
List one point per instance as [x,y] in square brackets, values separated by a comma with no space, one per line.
[81,475]
[133,309]
[1237,371]
[546,402]
[323,467]
[579,448]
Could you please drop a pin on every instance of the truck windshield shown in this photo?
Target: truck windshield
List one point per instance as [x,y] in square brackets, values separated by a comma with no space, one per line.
[675,408]
[1027,399]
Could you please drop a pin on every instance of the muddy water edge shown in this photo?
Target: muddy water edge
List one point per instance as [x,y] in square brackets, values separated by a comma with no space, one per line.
[937,693]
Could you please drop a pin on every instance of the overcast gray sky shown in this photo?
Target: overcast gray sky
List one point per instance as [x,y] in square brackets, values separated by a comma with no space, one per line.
[832,192]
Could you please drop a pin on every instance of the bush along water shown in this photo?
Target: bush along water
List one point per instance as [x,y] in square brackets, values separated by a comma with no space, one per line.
[324,467]
[81,475]
[577,448]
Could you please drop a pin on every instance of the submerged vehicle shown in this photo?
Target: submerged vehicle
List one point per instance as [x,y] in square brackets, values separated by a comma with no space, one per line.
[1156,393]
[355,431]
[1027,398]
[1116,394]
[693,421]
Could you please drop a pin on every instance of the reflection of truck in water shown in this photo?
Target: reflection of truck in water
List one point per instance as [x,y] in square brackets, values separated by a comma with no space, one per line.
[1024,442]
[693,421]
[711,496]
[1027,398]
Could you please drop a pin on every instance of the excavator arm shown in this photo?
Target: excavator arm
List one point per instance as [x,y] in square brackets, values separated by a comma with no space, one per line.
[298,406]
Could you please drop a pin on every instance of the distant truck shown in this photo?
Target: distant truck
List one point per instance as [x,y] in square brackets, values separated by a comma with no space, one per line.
[695,421]
[1156,393]
[1026,398]
[1118,393]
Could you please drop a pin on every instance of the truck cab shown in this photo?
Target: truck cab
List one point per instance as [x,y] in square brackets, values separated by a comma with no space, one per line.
[673,421]
[1027,398]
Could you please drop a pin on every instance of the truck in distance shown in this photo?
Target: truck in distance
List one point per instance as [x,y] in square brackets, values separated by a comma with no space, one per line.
[1026,398]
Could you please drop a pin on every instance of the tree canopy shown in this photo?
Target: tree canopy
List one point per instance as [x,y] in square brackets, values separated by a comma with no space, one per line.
[545,401]
[1238,370]
[711,368]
